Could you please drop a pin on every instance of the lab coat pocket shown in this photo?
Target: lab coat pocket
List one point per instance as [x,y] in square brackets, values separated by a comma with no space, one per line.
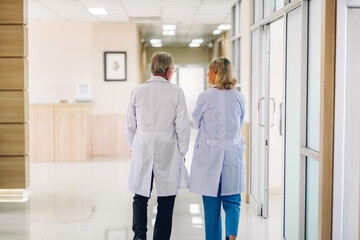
[201,154]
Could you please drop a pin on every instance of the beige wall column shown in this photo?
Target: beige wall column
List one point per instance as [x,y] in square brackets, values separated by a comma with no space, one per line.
[14,104]
[226,44]
[246,22]
[142,60]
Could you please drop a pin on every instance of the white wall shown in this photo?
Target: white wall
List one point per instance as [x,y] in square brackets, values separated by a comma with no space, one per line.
[352,129]
[346,140]
[62,54]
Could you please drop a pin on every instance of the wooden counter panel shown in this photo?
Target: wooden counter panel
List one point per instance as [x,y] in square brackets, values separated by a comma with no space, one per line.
[14,172]
[103,132]
[42,133]
[14,106]
[14,74]
[13,41]
[71,133]
[13,12]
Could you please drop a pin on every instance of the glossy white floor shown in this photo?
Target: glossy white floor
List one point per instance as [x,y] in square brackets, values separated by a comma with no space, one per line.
[90,201]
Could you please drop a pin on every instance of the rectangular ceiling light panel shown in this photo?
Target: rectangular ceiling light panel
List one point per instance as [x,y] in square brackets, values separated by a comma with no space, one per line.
[169,33]
[168,27]
[98,11]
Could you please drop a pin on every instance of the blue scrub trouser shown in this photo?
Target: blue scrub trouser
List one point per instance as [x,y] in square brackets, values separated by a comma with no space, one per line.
[212,209]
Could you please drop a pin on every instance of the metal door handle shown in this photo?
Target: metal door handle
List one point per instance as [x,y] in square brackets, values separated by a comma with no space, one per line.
[273,123]
[258,112]
[281,119]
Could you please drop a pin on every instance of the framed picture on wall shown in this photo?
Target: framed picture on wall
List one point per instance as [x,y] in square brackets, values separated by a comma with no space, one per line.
[115,66]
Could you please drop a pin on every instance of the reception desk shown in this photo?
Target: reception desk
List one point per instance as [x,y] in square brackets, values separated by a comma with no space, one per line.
[60,132]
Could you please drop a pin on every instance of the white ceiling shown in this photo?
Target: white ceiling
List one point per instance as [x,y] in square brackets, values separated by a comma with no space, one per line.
[194,18]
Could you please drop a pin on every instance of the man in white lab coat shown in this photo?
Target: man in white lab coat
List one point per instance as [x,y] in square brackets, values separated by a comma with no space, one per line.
[157,133]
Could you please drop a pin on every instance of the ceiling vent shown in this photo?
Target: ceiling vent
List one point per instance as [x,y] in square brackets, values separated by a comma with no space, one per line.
[144,19]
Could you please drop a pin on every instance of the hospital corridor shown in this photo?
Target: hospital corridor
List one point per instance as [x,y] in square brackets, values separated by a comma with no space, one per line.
[90,201]
[82,88]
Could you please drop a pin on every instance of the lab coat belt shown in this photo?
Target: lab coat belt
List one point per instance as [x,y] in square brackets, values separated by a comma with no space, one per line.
[151,135]
[223,142]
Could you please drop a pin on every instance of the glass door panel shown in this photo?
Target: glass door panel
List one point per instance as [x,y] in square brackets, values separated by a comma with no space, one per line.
[313,87]
[312,198]
[259,121]
[257,10]
[255,166]
[276,102]
[267,8]
[313,118]
[292,126]
[279,4]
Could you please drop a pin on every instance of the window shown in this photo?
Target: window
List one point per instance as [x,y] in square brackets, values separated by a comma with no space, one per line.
[236,38]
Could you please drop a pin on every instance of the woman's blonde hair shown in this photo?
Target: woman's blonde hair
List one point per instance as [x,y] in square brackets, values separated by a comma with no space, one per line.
[225,74]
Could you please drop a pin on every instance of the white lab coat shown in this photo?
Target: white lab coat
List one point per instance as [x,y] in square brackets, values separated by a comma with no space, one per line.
[219,146]
[157,132]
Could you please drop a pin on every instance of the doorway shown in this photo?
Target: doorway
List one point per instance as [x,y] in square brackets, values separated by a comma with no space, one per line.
[276,110]
[267,122]
[192,80]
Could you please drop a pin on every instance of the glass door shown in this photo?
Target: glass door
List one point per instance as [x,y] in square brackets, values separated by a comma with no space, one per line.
[192,80]
[259,122]
[267,123]
[291,197]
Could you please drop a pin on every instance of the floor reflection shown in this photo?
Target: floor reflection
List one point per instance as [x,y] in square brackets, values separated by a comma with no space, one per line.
[90,201]
[15,220]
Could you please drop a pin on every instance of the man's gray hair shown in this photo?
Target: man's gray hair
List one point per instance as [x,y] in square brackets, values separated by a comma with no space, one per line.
[160,61]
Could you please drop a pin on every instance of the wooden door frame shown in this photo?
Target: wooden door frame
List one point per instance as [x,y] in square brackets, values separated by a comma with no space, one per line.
[327,103]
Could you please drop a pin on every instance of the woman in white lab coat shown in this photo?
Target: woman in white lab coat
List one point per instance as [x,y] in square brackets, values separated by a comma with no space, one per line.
[157,132]
[218,167]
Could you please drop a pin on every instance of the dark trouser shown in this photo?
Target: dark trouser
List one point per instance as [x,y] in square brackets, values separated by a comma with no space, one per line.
[163,223]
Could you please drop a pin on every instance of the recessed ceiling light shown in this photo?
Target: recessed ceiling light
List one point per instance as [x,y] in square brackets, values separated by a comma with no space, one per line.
[224,27]
[192,44]
[216,31]
[197,41]
[98,11]
[152,41]
[157,45]
[168,32]
[168,27]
